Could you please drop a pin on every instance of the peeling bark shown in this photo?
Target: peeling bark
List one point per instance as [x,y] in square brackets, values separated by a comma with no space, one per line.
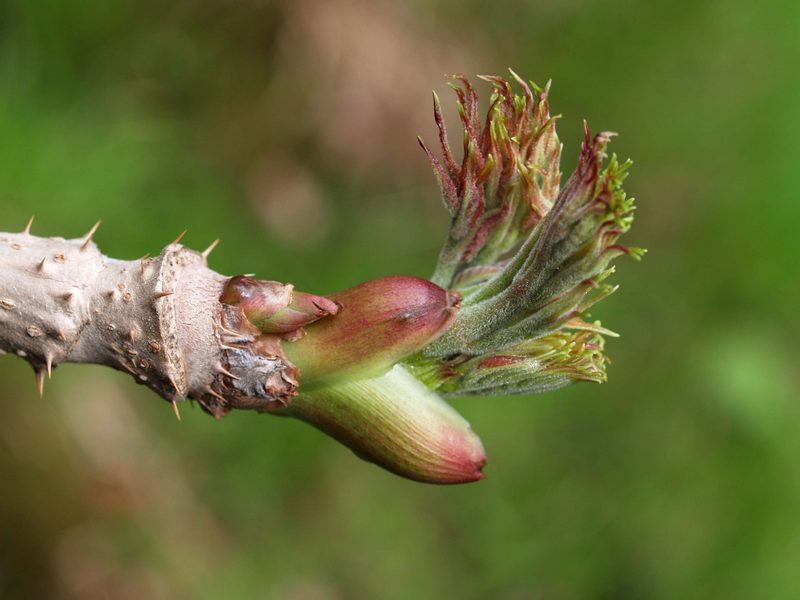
[159,319]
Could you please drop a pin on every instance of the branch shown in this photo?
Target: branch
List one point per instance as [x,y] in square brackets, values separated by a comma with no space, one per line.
[159,319]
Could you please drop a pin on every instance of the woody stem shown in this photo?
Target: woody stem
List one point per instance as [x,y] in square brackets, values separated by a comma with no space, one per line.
[158,319]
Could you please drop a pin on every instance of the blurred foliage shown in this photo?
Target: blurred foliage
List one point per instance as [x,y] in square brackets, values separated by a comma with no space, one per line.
[287,129]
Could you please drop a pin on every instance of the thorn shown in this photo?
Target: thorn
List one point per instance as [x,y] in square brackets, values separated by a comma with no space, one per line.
[208,250]
[40,266]
[160,295]
[40,383]
[175,410]
[49,360]
[27,229]
[221,369]
[141,262]
[61,336]
[211,391]
[180,237]
[89,235]
[68,297]
[227,331]
[132,335]
[228,346]
[172,383]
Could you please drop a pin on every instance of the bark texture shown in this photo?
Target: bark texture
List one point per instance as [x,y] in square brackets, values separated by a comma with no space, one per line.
[159,319]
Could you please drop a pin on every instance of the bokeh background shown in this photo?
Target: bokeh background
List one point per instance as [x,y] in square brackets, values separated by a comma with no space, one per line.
[287,128]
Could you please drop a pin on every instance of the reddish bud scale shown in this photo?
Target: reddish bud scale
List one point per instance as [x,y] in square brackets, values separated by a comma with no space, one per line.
[379,323]
[256,298]
[275,307]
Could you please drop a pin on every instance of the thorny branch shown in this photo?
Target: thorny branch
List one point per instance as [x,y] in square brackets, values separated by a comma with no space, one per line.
[159,319]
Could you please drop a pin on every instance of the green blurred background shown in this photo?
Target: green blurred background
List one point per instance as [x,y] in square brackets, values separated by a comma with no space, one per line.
[287,128]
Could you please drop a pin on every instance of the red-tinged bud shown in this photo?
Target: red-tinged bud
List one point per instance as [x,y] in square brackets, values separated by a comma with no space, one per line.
[379,323]
[275,307]
[302,310]
[256,297]
[397,423]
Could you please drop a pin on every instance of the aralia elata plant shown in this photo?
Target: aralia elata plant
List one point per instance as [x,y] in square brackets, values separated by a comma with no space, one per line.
[505,311]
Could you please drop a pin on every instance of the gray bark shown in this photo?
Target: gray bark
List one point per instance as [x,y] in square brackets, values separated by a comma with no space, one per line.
[158,319]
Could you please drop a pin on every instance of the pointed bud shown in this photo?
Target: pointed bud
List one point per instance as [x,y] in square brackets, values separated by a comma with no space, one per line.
[395,422]
[507,180]
[275,307]
[379,323]
[301,310]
